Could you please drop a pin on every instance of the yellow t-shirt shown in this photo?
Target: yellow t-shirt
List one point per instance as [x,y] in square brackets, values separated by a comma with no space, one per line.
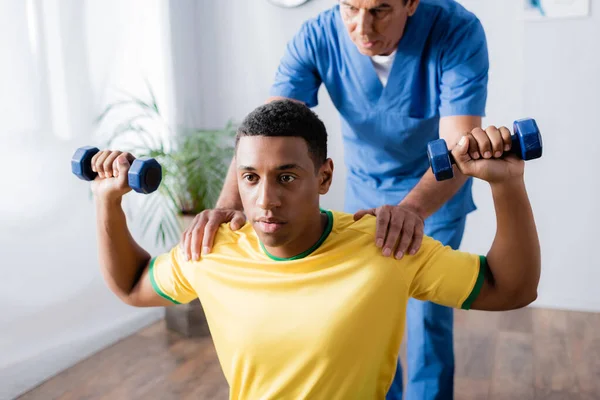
[325,325]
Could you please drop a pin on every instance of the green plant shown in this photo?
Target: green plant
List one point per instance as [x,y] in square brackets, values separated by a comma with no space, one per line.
[194,162]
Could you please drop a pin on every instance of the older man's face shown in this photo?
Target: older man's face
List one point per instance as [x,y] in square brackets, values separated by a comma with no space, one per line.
[376,26]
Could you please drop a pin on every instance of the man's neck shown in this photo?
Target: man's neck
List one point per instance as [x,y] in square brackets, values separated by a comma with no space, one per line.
[309,239]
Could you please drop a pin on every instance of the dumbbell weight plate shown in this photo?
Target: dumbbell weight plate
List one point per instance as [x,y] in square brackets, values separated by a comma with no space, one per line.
[527,133]
[81,163]
[145,175]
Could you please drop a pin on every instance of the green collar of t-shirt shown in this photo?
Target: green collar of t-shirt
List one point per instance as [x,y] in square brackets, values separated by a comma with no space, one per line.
[314,247]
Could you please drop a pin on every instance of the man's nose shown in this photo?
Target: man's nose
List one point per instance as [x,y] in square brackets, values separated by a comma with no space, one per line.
[364,23]
[268,196]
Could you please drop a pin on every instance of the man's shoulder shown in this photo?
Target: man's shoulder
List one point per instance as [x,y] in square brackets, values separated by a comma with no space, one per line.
[325,18]
[344,223]
[346,228]
[359,232]
[226,235]
[450,10]
[448,19]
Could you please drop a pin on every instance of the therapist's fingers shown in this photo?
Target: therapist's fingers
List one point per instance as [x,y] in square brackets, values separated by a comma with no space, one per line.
[412,234]
[192,237]
[394,230]
[407,235]
[361,213]
[404,231]
[383,220]
[417,239]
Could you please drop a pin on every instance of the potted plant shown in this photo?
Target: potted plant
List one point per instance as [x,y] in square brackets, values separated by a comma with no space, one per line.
[194,164]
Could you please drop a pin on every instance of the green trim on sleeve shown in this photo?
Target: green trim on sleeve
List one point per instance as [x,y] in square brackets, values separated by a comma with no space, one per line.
[155,284]
[478,284]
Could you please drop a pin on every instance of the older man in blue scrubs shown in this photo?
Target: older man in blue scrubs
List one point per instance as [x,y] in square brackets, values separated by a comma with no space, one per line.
[400,73]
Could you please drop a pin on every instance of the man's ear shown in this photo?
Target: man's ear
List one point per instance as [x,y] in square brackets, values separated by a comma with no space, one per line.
[325,176]
[412,7]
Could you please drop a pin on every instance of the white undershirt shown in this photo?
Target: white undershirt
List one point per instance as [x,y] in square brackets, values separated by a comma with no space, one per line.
[383,66]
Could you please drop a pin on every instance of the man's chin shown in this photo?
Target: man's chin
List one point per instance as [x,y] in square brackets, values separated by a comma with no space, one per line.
[272,241]
[374,50]
[366,52]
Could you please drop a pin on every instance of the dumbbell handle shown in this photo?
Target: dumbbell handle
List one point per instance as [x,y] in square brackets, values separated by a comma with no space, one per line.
[515,149]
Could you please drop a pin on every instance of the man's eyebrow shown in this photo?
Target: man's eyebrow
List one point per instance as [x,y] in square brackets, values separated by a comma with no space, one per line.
[279,168]
[289,166]
[382,6]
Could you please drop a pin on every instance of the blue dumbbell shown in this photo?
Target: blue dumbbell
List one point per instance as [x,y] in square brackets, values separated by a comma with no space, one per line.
[144,175]
[526,144]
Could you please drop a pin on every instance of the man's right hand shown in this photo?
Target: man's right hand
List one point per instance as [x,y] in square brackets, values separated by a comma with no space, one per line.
[480,154]
[200,234]
[112,168]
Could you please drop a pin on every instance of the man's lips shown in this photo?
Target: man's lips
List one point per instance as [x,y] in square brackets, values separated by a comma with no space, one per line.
[270,225]
[368,44]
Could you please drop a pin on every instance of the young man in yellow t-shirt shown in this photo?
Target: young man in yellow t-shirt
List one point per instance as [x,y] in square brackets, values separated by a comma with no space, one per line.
[300,302]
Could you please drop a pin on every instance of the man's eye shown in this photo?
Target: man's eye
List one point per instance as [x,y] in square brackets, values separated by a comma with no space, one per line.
[250,178]
[287,178]
[379,13]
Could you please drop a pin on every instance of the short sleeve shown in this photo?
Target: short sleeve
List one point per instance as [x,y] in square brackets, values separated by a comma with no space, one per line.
[297,76]
[169,280]
[464,71]
[445,276]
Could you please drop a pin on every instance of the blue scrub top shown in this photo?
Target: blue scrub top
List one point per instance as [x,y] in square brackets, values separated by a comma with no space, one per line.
[440,69]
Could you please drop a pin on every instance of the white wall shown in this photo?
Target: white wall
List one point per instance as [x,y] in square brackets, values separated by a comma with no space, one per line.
[546,70]
[55,307]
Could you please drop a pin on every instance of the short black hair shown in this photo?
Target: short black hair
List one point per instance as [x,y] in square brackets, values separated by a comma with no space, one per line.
[287,118]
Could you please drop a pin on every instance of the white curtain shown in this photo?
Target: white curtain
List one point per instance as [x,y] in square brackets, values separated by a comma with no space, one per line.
[61,62]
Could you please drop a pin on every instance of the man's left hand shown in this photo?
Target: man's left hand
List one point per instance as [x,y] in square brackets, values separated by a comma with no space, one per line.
[399,229]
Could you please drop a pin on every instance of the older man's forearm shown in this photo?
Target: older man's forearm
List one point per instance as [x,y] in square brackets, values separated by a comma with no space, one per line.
[230,195]
[429,195]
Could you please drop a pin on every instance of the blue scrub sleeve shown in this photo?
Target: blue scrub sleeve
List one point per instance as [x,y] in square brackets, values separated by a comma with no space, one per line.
[464,72]
[297,76]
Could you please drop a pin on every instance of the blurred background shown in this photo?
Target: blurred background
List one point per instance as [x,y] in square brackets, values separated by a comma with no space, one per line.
[78,72]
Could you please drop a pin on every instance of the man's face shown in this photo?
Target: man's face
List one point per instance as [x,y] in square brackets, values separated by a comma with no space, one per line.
[280,188]
[376,26]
